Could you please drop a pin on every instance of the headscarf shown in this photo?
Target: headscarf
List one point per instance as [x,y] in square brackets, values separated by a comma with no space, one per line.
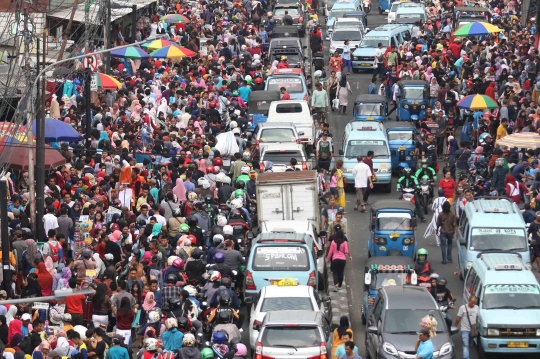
[343,81]
[11,313]
[149,301]
[31,251]
[156,229]
[66,276]
[62,346]
[179,190]
[45,279]
[74,214]
[452,145]
[343,326]
[15,340]
[43,345]
[3,329]
[478,152]
[49,264]
[15,327]
[510,179]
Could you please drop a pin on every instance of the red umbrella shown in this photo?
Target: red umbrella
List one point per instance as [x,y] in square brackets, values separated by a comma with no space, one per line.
[17,157]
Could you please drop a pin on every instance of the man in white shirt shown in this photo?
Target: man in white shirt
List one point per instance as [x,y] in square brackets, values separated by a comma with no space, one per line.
[378,61]
[362,178]
[50,221]
[467,316]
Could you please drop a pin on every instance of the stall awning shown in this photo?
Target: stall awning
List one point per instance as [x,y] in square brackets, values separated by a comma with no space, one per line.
[95,13]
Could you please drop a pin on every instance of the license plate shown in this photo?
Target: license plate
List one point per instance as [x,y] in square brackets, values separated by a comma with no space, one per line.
[518,344]
[405,248]
[366,65]
[370,118]
[394,235]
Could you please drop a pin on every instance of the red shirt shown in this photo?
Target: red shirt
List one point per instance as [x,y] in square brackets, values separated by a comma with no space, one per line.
[286,96]
[448,187]
[74,304]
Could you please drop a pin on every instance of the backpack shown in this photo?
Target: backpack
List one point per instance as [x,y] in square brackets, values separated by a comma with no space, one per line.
[54,251]
[26,344]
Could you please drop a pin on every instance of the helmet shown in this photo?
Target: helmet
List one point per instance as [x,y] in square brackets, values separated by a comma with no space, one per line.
[172,278]
[188,340]
[227,180]
[407,170]
[227,230]
[241,350]
[215,276]
[192,196]
[203,182]
[248,79]
[154,316]
[184,228]
[235,93]
[421,252]
[233,124]
[317,73]
[218,238]
[212,104]
[210,169]
[183,323]
[192,221]
[218,162]
[192,291]
[239,193]
[219,258]
[226,282]
[151,344]
[424,163]
[441,282]
[237,203]
[178,263]
[217,170]
[283,58]
[208,199]
[197,253]
[258,80]
[171,323]
[175,302]
[224,317]
[499,162]
[170,260]
[244,170]
[221,177]
[240,185]
[207,353]
[221,220]
[219,337]
[224,299]
[246,156]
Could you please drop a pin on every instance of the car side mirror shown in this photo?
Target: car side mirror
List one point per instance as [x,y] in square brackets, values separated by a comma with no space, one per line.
[340,152]
[372,329]
[454,330]
[326,299]
[304,47]
[248,300]
[463,241]
[355,46]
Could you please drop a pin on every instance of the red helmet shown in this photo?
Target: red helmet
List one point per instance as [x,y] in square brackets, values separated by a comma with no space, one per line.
[218,162]
[217,169]
[210,169]
[258,80]
[178,263]
[212,104]
[192,238]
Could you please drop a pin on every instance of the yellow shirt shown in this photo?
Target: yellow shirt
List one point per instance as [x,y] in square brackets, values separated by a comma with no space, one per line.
[501,132]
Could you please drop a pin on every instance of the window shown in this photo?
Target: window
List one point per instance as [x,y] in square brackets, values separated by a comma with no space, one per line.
[295,336]
[291,303]
[282,157]
[280,258]
[470,281]
[463,223]
[479,290]
[394,41]
[278,135]
[289,108]
[361,148]
[378,308]
[292,84]
[475,285]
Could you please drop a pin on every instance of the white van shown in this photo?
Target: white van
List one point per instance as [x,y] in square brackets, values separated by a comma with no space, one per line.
[285,111]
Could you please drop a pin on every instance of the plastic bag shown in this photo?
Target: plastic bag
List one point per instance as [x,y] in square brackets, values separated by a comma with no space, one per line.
[226,144]
[335,103]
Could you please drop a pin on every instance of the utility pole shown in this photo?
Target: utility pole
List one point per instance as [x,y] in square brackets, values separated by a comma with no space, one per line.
[88,103]
[525,6]
[107,37]
[133,22]
[6,282]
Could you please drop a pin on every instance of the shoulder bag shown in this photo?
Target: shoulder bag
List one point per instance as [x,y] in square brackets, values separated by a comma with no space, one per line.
[474,328]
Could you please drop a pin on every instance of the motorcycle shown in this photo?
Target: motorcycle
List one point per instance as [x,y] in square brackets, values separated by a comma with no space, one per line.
[443,308]
[425,194]
[408,194]
[224,209]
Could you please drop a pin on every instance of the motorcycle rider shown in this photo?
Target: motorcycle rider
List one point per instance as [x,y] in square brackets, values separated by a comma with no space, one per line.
[204,188]
[195,267]
[251,186]
[444,298]
[220,266]
[233,259]
[175,308]
[425,170]
[223,184]
[223,307]
[211,174]
[422,267]
[410,181]
[270,23]
[225,286]
[240,226]
[170,290]
[211,209]
[226,324]
[210,255]
[188,350]
[244,177]
[194,229]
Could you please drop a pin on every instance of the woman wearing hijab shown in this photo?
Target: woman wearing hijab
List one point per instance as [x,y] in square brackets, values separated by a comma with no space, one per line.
[30,287]
[32,253]
[343,91]
[337,255]
[3,330]
[179,191]
[45,279]
[14,328]
[452,148]
[42,350]
[433,91]
[513,188]
[49,264]
[344,327]
[11,313]
[477,157]
[62,347]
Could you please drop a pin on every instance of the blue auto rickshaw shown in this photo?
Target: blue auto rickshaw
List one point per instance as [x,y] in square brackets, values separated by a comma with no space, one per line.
[384,6]
[413,100]
[370,108]
[383,272]
[392,226]
[259,105]
[402,143]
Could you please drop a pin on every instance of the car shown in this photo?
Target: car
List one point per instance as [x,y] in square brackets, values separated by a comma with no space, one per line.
[284,43]
[279,255]
[348,22]
[295,11]
[283,298]
[283,111]
[412,11]
[294,55]
[360,15]
[280,155]
[338,10]
[393,323]
[275,132]
[338,37]
[508,297]
[294,334]
[295,84]
[392,12]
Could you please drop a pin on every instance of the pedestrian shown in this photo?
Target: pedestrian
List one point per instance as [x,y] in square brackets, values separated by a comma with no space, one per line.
[332,85]
[372,88]
[514,189]
[368,160]
[340,175]
[362,180]
[350,351]
[339,332]
[467,325]
[395,96]
[341,350]
[378,61]
[337,256]
[324,151]
[534,233]
[424,345]
[343,91]
[320,102]
[448,185]
[335,64]
[446,226]
[346,56]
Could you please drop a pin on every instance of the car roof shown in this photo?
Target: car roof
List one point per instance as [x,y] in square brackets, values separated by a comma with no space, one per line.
[483,212]
[276,124]
[499,269]
[299,291]
[287,146]
[397,125]
[397,260]
[392,204]
[300,317]
[343,5]
[408,297]
[371,97]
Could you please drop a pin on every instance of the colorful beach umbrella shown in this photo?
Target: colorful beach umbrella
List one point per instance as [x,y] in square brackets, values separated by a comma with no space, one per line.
[521,140]
[106,82]
[172,52]
[131,52]
[476,29]
[158,44]
[477,102]
[175,18]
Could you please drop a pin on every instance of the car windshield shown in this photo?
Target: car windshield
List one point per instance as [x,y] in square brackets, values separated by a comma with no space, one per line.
[282,157]
[374,41]
[361,148]
[351,35]
[338,13]
[394,221]
[278,135]
[291,303]
[292,58]
[369,109]
[400,136]
[483,239]
[511,297]
[405,321]
[280,258]
[388,279]
[293,85]
[281,11]
[414,93]
[291,336]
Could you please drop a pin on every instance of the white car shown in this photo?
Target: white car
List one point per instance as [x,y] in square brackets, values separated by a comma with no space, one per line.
[392,12]
[338,37]
[280,298]
[280,155]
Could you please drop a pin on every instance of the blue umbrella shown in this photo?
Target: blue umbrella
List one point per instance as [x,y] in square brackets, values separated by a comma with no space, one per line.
[56,131]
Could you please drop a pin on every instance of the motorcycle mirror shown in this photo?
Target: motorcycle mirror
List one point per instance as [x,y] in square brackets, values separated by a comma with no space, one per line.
[367,278]
[414,278]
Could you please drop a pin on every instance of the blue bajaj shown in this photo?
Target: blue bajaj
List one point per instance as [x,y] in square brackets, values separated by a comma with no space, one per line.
[383,272]
[370,108]
[392,226]
[402,143]
[413,100]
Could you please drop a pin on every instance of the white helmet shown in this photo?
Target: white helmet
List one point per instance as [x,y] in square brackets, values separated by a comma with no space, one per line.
[217,239]
[237,203]
[221,220]
[227,230]
[170,260]
[151,344]
[245,169]
[248,78]
[188,340]
[233,124]
[227,180]
[154,316]
[317,73]
[215,276]
[236,131]
[191,290]
[201,181]
[220,177]
[171,323]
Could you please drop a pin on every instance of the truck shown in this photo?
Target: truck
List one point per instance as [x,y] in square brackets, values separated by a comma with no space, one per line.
[287,196]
